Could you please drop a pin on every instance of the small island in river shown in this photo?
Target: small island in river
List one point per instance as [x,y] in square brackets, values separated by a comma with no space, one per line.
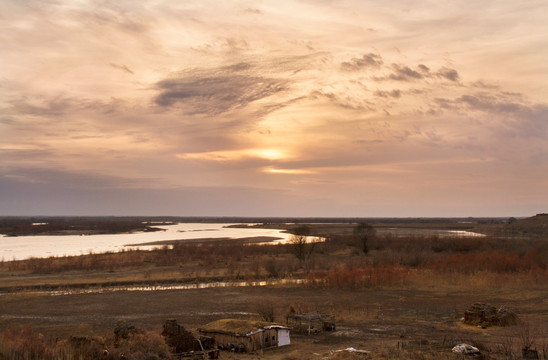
[28,226]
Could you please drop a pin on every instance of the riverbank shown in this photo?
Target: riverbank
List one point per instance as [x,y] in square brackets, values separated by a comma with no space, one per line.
[340,258]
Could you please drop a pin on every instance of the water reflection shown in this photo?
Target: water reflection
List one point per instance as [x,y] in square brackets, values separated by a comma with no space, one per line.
[40,246]
[412,232]
[191,286]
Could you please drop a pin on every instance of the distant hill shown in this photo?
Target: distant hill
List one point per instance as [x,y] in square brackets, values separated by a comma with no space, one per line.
[533,226]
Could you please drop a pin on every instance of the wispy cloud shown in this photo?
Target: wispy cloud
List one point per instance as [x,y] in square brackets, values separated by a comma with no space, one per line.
[122,67]
[392,93]
[366,61]
[405,73]
[216,94]
[449,74]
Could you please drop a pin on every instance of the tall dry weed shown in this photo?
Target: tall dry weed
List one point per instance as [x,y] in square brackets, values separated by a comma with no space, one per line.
[24,343]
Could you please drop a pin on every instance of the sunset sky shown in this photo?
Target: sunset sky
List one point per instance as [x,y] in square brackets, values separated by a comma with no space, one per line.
[369,108]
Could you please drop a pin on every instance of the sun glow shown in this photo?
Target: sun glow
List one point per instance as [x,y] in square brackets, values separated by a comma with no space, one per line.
[288,171]
[270,154]
[234,155]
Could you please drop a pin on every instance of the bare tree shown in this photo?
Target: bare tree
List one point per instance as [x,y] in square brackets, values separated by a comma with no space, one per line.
[527,335]
[301,248]
[364,233]
[265,309]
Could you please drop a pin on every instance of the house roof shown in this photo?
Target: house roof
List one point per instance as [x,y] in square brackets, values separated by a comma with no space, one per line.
[239,327]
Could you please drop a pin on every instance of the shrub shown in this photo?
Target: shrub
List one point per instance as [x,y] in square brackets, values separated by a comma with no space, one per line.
[359,277]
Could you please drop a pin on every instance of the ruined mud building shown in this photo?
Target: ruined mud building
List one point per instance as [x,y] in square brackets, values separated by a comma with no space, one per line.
[311,322]
[246,335]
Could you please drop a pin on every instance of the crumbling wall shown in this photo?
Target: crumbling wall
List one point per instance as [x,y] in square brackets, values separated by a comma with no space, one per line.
[178,338]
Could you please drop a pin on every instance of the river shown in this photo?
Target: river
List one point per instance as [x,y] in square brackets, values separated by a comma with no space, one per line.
[23,247]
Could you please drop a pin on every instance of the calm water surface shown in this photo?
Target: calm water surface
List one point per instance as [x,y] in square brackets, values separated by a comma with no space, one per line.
[22,247]
[411,232]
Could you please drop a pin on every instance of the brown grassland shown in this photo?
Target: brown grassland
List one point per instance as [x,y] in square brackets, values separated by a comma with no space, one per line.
[401,298]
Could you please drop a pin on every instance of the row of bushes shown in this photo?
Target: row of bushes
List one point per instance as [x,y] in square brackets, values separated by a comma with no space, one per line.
[207,254]
[352,278]
[494,261]
[346,277]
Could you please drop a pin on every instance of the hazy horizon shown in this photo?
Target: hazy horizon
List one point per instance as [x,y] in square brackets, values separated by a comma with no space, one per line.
[187,218]
[294,108]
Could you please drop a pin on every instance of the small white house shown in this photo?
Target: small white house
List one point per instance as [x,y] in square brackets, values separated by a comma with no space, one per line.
[283,334]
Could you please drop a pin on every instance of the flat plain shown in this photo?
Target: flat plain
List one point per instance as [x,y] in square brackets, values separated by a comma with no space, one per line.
[402,298]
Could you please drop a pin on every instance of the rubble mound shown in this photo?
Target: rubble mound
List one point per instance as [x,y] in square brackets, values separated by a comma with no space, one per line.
[466,349]
[349,354]
[487,315]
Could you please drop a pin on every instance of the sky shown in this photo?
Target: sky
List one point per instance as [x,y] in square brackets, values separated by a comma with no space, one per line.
[363,108]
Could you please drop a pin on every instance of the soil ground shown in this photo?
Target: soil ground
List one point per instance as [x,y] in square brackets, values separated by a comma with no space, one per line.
[391,323]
